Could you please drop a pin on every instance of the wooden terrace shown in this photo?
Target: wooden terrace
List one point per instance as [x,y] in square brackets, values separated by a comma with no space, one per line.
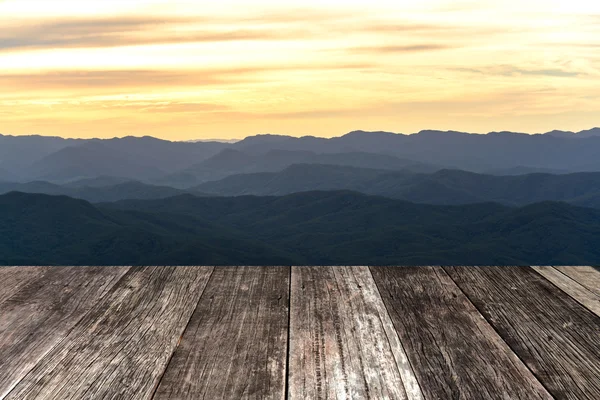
[299,333]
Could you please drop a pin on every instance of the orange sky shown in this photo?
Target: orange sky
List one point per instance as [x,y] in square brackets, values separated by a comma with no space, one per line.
[193,69]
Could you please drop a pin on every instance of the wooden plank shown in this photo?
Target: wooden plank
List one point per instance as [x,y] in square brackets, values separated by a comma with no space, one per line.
[13,278]
[235,345]
[454,352]
[342,342]
[120,349]
[586,276]
[43,311]
[573,288]
[554,335]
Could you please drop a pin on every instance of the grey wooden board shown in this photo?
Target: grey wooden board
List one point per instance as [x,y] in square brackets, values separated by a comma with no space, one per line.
[573,288]
[43,311]
[454,352]
[120,349]
[236,344]
[558,338]
[13,278]
[342,342]
[586,276]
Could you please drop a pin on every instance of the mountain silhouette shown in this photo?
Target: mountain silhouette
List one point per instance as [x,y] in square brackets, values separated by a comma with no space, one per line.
[184,164]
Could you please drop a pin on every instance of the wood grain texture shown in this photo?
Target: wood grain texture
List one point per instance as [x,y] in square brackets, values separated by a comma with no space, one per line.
[554,335]
[236,344]
[454,352]
[586,276]
[13,278]
[43,311]
[573,288]
[342,341]
[120,349]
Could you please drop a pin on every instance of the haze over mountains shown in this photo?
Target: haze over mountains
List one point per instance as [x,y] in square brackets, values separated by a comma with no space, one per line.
[441,187]
[363,198]
[184,164]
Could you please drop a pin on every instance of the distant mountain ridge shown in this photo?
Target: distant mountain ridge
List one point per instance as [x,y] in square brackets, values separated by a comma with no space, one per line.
[231,162]
[96,191]
[27,158]
[445,187]
[441,187]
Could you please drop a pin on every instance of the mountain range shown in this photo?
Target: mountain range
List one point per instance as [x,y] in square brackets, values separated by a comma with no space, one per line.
[311,228]
[102,189]
[444,187]
[364,198]
[184,164]
[441,187]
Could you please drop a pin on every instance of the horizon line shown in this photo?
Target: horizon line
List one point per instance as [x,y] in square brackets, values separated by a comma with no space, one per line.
[235,140]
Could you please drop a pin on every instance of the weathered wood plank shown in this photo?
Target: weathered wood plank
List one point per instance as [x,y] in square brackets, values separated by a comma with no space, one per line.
[120,349]
[454,352]
[43,311]
[13,278]
[558,338]
[586,276]
[573,288]
[342,342]
[235,345]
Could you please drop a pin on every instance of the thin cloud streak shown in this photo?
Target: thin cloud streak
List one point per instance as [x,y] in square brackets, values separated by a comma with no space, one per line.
[402,49]
[127,32]
[152,30]
[159,78]
[511,71]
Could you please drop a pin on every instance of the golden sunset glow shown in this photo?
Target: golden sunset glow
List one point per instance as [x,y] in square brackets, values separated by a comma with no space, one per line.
[197,69]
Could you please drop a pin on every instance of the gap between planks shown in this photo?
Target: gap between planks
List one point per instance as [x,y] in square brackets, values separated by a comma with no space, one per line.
[43,311]
[455,352]
[554,335]
[235,345]
[120,347]
[572,287]
[342,342]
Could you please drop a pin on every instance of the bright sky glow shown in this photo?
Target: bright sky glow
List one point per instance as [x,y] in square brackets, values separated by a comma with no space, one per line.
[182,69]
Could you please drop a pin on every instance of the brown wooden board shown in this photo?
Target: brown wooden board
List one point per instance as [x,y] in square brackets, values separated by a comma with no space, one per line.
[120,349]
[43,311]
[573,288]
[558,338]
[342,342]
[235,346]
[454,352]
[586,276]
[13,278]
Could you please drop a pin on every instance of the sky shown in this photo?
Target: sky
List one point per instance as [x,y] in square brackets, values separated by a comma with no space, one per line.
[182,69]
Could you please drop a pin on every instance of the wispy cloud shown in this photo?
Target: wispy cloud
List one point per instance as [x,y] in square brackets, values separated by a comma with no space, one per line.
[114,32]
[127,79]
[512,71]
[402,48]
[123,79]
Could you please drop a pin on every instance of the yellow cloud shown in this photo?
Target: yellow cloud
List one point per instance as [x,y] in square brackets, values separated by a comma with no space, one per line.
[185,69]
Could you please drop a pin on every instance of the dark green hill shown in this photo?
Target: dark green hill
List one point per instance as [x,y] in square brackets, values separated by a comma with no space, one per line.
[350,228]
[57,230]
[312,228]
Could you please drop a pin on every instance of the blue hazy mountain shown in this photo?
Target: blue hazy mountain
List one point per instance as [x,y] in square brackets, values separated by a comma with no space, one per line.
[27,158]
[441,187]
